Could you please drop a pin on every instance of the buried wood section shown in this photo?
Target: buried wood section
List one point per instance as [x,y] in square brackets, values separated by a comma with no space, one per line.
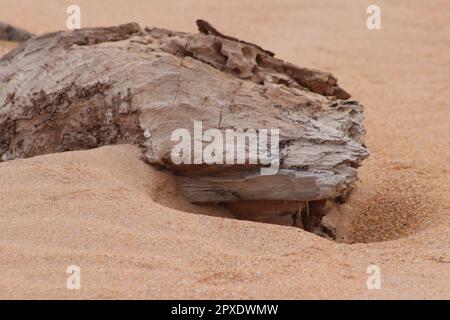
[269,211]
[91,87]
[304,214]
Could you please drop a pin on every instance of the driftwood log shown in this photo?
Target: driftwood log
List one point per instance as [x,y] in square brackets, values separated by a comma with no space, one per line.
[11,33]
[91,87]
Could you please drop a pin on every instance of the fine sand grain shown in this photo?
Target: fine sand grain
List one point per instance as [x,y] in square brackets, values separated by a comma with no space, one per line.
[134,236]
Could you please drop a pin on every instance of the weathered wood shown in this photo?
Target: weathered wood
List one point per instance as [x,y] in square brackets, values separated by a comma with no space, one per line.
[92,87]
[11,33]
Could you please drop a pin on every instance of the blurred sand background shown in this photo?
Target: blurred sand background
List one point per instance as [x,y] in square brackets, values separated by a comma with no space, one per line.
[134,236]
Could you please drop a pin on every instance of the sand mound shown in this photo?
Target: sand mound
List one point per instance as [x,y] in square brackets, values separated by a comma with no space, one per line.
[99,209]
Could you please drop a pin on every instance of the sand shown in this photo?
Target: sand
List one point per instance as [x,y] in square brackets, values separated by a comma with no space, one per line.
[132,234]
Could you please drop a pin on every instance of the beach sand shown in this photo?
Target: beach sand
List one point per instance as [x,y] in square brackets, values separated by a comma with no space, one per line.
[134,236]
